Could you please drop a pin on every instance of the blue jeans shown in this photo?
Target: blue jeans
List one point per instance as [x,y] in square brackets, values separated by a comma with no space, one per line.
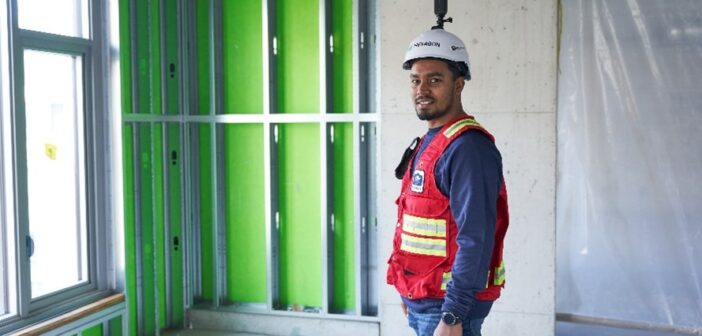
[425,323]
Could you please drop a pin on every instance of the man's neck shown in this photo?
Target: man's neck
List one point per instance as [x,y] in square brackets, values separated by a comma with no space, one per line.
[445,119]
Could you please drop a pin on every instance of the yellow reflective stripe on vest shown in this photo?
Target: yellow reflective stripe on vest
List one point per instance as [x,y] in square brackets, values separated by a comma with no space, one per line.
[445,280]
[459,125]
[424,226]
[500,274]
[426,246]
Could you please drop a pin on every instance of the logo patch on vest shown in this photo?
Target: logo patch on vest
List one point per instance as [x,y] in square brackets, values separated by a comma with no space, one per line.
[418,181]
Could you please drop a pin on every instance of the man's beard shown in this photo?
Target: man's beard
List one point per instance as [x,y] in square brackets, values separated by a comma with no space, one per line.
[431,112]
[426,115]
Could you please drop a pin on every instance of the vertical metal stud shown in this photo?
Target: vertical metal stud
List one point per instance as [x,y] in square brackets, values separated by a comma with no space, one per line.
[137,230]
[370,55]
[270,155]
[167,226]
[164,157]
[359,214]
[218,233]
[154,224]
[150,85]
[365,90]
[358,129]
[135,168]
[368,198]
[360,59]
[184,33]
[272,218]
[327,178]
[328,234]
[361,190]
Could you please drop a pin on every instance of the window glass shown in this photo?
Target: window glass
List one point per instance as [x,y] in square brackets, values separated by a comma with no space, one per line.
[61,17]
[55,170]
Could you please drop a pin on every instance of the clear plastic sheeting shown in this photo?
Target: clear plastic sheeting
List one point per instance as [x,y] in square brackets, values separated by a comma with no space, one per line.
[629,198]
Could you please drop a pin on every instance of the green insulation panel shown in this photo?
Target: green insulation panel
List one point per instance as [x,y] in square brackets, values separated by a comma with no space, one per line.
[342,57]
[299,199]
[205,162]
[242,62]
[129,227]
[245,213]
[115,326]
[205,69]
[175,217]
[203,22]
[344,295]
[147,57]
[146,218]
[95,330]
[141,45]
[174,168]
[242,57]
[159,224]
[297,60]
[171,67]
[155,65]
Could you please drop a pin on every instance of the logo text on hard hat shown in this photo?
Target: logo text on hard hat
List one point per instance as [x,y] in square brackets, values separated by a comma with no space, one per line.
[427,44]
[455,47]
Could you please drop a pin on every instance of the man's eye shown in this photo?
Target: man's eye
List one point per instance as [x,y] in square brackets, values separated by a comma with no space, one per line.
[435,80]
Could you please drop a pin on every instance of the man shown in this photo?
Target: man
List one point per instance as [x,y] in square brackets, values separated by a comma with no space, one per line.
[452,211]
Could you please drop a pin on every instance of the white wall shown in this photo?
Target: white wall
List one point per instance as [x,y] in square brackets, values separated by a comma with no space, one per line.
[513,46]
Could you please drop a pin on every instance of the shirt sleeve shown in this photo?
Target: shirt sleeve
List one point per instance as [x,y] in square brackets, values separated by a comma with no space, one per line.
[469,172]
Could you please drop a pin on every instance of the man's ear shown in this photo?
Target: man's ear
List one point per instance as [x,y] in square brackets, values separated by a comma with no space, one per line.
[459,83]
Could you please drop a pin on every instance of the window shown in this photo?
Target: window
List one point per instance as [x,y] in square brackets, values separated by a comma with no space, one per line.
[54,250]
[55,171]
[67,17]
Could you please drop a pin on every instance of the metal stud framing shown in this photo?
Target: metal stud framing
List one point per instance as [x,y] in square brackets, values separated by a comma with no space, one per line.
[164,169]
[325,151]
[270,163]
[364,124]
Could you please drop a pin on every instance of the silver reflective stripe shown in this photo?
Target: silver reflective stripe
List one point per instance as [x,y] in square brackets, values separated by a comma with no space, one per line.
[434,247]
[424,226]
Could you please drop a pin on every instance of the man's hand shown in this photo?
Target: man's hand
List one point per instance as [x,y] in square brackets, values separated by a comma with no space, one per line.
[446,330]
[404,308]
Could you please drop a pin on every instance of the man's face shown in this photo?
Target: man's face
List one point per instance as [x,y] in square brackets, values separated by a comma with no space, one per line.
[433,89]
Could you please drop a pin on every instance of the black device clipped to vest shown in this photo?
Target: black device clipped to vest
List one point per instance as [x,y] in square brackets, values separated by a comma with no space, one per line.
[406,157]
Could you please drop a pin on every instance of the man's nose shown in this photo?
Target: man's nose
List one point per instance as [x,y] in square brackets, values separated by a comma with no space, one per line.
[422,87]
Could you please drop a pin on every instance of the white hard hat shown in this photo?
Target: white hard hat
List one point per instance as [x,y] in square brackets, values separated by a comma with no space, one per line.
[438,43]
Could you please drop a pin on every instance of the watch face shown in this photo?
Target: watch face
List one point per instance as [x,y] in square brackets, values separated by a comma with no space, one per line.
[449,318]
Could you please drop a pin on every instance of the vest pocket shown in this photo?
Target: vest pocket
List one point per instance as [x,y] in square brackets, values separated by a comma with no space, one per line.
[425,229]
[423,206]
[422,246]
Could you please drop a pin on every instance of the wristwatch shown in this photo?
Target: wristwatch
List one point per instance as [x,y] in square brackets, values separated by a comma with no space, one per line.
[450,318]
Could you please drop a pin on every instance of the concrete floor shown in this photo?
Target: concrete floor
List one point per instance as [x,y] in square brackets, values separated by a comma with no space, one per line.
[578,329]
[192,332]
[562,329]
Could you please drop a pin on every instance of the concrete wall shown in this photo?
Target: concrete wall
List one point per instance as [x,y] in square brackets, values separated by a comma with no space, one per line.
[513,45]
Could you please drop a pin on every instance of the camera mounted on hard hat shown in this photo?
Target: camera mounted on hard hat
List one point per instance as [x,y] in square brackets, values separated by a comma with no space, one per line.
[442,45]
[439,44]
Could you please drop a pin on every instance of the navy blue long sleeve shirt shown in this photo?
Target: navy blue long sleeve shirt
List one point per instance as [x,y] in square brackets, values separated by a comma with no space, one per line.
[469,173]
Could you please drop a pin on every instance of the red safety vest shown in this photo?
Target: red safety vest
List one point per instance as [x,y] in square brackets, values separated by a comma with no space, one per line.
[424,246]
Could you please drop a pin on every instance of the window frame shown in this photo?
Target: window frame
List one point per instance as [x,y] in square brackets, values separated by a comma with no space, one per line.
[21,309]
